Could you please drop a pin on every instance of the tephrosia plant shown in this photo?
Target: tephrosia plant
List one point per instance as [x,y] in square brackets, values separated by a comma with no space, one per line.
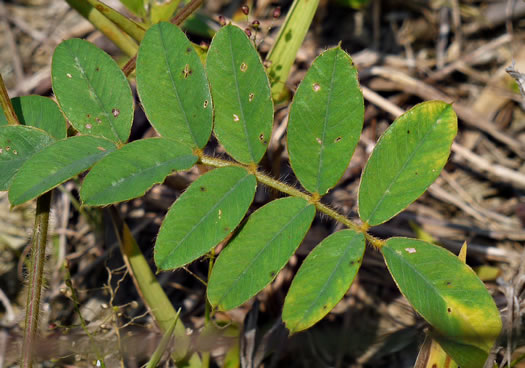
[231,97]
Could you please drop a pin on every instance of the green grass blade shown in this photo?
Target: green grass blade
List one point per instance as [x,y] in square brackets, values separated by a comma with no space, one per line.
[291,35]
[17,145]
[323,279]
[448,295]
[326,119]
[205,214]
[407,159]
[55,164]
[148,287]
[92,91]
[172,86]
[241,94]
[259,251]
[161,348]
[39,112]
[130,171]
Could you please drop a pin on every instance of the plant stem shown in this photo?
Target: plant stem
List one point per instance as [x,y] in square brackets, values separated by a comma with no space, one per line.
[6,104]
[288,189]
[104,25]
[135,30]
[207,310]
[36,272]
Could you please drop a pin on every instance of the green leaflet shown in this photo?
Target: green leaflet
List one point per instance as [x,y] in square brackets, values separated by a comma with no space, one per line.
[92,91]
[128,172]
[55,164]
[40,112]
[205,214]
[17,144]
[241,94]
[172,86]
[449,295]
[291,35]
[163,11]
[407,159]
[135,6]
[326,119]
[323,279]
[259,251]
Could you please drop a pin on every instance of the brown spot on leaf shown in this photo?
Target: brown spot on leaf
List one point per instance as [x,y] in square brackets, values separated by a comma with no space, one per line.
[187,71]
[115,112]
[244,67]
[203,189]
[205,104]
[98,120]
[449,310]
[338,139]
[101,149]
[88,126]
[316,87]
[250,97]
[235,117]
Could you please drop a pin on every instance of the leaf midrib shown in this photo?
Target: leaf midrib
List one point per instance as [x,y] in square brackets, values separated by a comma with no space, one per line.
[243,118]
[203,218]
[263,249]
[92,89]
[431,286]
[143,172]
[386,192]
[323,289]
[174,85]
[325,123]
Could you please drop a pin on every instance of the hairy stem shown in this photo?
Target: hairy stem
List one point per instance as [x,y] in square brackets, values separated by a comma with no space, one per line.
[36,276]
[6,104]
[294,192]
[207,311]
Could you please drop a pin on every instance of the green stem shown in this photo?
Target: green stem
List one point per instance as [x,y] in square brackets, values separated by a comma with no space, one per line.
[6,104]
[36,272]
[288,189]
[207,311]
[104,25]
[135,30]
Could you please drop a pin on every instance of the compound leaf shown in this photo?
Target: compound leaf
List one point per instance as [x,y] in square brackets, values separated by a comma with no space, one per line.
[323,279]
[55,164]
[172,86]
[449,295]
[92,91]
[17,144]
[39,112]
[325,122]
[241,94]
[205,214]
[128,172]
[407,159]
[259,251]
